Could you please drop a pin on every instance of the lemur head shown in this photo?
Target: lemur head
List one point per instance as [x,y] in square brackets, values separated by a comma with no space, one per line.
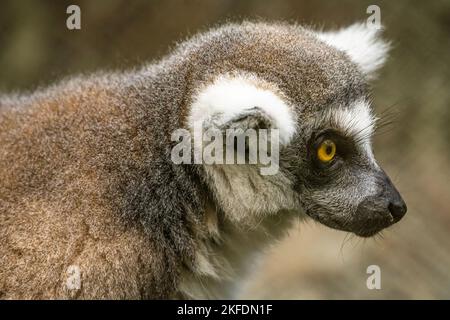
[313,88]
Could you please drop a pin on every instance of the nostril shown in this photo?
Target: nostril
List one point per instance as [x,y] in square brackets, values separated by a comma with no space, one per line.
[397,209]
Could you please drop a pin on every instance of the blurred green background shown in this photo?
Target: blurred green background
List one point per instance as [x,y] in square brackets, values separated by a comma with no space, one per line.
[413,91]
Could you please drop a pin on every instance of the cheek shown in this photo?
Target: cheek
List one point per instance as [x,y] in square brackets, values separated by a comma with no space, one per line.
[342,196]
[293,164]
[333,201]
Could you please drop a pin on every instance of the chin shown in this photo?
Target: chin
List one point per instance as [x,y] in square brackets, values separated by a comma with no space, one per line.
[363,232]
[367,233]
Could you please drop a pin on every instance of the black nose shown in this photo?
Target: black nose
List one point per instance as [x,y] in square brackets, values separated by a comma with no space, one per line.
[396,205]
[397,208]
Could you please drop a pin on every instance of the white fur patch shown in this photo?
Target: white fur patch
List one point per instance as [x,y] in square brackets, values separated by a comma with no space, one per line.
[361,43]
[357,121]
[230,96]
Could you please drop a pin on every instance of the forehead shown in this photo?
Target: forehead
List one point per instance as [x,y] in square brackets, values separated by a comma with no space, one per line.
[322,75]
[310,72]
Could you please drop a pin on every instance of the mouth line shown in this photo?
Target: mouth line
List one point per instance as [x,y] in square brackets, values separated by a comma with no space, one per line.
[360,231]
[369,233]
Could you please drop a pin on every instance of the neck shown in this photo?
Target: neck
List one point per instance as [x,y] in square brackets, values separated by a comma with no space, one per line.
[226,257]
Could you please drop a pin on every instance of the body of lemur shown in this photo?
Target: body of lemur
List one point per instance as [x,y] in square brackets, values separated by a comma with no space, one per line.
[86,177]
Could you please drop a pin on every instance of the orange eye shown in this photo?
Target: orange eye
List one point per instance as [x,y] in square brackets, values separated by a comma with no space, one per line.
[326,151]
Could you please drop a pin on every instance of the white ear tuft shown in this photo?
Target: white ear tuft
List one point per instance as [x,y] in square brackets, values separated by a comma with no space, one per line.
[362,44]
[230,97]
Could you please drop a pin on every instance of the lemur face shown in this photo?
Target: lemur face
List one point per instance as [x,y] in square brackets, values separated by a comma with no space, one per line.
[337,177]
[311,87]
[340,182]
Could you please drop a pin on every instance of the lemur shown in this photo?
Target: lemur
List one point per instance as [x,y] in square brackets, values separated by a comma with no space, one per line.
[86,177]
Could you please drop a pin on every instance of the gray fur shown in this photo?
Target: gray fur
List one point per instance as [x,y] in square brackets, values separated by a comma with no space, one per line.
[86,176]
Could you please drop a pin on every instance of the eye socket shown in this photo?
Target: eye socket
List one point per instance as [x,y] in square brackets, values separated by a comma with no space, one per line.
[326,151]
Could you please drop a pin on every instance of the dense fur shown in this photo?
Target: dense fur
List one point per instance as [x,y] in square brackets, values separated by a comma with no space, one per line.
[86,177]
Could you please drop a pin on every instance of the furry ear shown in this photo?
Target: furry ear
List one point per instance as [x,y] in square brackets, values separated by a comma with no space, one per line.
[362,44]
[252,118]
[242,102]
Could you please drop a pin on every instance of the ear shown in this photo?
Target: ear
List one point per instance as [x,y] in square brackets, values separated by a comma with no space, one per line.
[242,102]
[362,44]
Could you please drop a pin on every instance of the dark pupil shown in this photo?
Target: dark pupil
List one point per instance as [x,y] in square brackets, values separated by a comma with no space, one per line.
[329,149]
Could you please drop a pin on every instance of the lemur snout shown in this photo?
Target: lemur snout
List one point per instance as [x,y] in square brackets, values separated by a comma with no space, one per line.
[380,211]
[395,203]
[397,207]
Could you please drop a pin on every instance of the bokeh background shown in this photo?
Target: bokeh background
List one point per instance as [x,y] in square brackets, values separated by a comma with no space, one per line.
[413,93]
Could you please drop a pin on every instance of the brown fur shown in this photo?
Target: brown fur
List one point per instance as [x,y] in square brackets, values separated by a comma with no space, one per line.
[56,206]
[86,177]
